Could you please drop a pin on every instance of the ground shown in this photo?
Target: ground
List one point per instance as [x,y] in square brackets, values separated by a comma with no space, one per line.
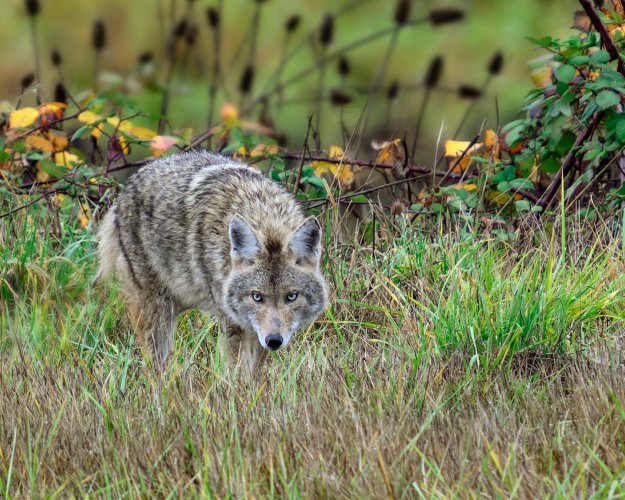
[449,363]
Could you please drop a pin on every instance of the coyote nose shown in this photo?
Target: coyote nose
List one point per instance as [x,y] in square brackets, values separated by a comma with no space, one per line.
[273,341]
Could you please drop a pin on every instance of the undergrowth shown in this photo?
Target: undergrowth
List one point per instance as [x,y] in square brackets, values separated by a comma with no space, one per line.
[448,363]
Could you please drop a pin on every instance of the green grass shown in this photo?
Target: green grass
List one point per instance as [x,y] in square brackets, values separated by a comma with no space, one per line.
[448,364]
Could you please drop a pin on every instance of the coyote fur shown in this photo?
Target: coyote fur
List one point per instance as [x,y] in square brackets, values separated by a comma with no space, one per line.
[200,231]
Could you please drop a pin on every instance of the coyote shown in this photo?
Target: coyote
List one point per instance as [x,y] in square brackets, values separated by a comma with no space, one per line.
[200,231]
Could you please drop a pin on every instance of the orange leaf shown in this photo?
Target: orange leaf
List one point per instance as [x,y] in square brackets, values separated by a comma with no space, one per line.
[229,114]
[51,112]
[60,142]
[40,143]
[389,151]
[161,143]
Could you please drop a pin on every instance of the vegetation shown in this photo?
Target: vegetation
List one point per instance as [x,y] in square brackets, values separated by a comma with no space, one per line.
[474,345]
[448,363]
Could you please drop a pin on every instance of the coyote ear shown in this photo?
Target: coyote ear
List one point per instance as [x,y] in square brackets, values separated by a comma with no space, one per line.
[306,240]
[243,242]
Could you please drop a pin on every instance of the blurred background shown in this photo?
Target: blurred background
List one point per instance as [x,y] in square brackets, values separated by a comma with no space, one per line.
[375,91]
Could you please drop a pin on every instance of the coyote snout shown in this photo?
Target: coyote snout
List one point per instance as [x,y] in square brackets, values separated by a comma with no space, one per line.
[197,230]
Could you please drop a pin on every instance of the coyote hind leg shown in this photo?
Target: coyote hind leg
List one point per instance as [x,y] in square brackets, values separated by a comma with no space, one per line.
[154,321]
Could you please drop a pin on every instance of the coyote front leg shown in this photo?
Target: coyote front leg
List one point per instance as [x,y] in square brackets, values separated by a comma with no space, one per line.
[241,347]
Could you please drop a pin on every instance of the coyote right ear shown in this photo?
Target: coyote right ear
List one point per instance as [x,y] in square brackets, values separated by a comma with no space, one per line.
[243,242]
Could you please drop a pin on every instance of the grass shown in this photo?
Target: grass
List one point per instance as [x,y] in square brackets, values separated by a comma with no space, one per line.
[449,364]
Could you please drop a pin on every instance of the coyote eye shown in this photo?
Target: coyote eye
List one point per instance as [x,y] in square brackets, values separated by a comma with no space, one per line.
[290,297]
[257,297]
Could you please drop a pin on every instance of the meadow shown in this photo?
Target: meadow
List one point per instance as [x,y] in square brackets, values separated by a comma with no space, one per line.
[448,364]
[474,246]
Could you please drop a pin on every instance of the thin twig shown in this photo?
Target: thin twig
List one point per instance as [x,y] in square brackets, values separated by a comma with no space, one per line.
[31,202]
[301,163]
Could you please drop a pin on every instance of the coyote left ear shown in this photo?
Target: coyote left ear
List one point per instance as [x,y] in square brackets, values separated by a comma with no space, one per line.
[306,240]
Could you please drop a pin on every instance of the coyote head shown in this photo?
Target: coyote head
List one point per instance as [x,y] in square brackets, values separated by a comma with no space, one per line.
[275,286]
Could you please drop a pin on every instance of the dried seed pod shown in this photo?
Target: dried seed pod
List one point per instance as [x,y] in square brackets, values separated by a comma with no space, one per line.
[402,12]
[247,79]
[469,92]
[496,63]
[339,98]
[445,16]
[55,57]
[393,90]
[27,80]
[32,7]
[212,16]
[191,35]
[99,35]
[292,23]
[181,28]
[145,57]
[343,66]
[60,93]
[434,72]
[326,31]
[398,207]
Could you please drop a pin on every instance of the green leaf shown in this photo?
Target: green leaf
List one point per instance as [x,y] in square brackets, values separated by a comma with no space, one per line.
[607,99]
[550,165]
[579,60]
[316,181]
[521,183]
[600,57]
[81,132]
[522,205]
[359,198]
[53,169]
[503,186]
[565,73]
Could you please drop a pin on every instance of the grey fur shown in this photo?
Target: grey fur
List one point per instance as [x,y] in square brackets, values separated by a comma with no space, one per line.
[197,230]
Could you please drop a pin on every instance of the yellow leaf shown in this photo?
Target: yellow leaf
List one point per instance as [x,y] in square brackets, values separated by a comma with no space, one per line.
[455,149]
[84,215]
[142,133]
[320,167]
[542,76]
[40,143]
[66,159]
[465,186]
[263,150]
[89,117]
[490,139]
[161,143]
[122,125]
[42,176]
[58,199]
[337,153]
[23,117]
[240,153]
[498,197]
